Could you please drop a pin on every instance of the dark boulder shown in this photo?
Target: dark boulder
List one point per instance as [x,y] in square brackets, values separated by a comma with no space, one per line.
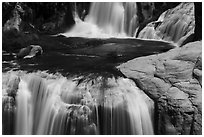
[30,51]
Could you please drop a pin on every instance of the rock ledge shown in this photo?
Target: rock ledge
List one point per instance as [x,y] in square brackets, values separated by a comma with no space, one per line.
[174,81]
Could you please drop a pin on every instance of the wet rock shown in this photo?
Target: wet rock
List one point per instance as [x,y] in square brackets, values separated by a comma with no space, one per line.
[13,85]
[35,51]
[10,84]
[173,80]
[150,11]
[175,25]
[30,51]
[198,74]
[198,69]
[24,52]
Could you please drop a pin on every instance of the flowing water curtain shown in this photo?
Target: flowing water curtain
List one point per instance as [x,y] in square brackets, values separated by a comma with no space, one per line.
[107,19]
[107,16]
[114,17]
[101,106]
[131,19]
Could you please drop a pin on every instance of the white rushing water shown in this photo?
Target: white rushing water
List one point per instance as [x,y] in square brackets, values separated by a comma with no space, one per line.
[99,106]
[107,19]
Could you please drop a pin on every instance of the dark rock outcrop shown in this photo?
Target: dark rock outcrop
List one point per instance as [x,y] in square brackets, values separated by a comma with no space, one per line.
[173,81]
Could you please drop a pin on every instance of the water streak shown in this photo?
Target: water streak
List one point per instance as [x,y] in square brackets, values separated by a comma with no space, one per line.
[99,106]
[106,19]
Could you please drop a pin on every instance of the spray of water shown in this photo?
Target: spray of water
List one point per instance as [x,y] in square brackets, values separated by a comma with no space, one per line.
[107,19]
[97,106]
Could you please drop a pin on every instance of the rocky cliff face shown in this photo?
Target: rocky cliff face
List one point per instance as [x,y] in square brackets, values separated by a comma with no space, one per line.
[150,12]
[174,25]
[173,81]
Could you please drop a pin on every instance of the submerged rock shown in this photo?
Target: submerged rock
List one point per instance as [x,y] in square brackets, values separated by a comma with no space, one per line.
[173,80]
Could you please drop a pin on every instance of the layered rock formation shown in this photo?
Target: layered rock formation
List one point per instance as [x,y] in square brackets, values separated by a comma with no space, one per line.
[174,25]
[150,11]
[173,81]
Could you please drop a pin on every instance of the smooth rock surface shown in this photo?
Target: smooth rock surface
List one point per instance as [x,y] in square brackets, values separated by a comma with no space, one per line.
[173,80]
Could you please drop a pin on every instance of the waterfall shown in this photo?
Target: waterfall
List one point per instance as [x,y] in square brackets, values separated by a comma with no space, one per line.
[107,16]
[75,13]
[130,18]
[98,106]
[106,19]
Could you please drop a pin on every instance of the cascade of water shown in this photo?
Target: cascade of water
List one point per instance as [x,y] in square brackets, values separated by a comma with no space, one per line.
[75,13]
[99,106]
[108,16]
[131,21]
[106,19]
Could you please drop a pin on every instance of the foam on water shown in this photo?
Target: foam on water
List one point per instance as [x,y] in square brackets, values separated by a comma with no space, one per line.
[96,106]
[107,19]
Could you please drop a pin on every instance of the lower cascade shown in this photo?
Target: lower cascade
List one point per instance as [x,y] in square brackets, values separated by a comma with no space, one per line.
[66,106]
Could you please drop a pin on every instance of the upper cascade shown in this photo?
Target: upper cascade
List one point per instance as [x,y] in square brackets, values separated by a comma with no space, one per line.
[106,19]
